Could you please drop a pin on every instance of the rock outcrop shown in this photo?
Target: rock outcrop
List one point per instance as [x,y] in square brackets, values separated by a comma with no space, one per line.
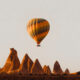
[57,69]
[36,68]
[0,69]
[26,65]
[13,66]
[12,62]
[67,71]
[46,70]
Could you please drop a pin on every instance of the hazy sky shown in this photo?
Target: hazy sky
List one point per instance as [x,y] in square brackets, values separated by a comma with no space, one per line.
[63,41]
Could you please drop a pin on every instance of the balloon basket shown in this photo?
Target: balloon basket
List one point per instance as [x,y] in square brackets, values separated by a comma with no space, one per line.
[38,45]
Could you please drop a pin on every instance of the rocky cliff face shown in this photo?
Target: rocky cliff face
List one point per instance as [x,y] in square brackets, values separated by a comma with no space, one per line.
[12,62]
[46,70]
[57,69]
[26,65]
[36,68]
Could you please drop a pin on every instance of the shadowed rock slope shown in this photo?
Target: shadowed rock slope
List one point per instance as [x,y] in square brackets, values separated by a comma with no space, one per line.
[57,68]
[67,71]
[36,68]
[26,65]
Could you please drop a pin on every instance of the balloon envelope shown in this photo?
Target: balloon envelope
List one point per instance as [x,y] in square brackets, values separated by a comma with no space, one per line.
[38,28]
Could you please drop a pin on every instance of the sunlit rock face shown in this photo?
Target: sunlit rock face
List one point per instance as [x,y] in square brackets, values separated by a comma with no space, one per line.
[57,68]
[12,62]
[26,65]
[37,68]
[46,70]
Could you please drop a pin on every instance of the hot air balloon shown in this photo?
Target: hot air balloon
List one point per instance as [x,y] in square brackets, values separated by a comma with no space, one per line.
[38,28]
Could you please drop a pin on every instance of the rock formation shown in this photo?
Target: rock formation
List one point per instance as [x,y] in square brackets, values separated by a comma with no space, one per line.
[13,66]
[12,62]
[26,65]
[57,69]
[67,71]
[36,68]
[30,63]
[0,69]
[46,70]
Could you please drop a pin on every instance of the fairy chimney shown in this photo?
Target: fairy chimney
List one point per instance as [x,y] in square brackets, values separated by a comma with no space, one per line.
[36,68]
[12,62]
[67,71]
[26,65]
[46,70]
[57,68]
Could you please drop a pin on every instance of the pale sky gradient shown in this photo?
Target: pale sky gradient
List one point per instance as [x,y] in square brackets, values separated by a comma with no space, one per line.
[63,41]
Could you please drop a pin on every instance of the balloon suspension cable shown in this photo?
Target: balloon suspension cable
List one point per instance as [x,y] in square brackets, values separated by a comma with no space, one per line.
[38,45]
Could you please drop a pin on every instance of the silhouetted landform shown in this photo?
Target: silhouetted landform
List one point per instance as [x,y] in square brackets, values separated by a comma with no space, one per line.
[37,68]
[57,68]
[67,71]
[47,70]
[38,77]
[29,70]
[26,64]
